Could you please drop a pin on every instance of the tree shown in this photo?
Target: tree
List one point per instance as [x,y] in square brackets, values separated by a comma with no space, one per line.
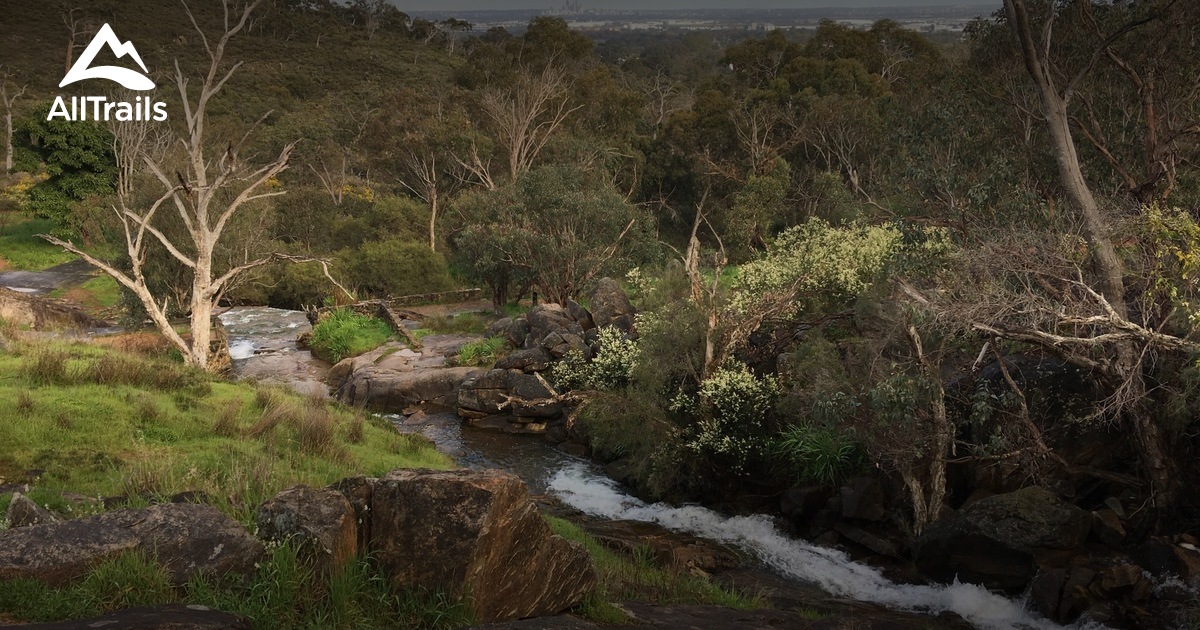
[525,114]
[79,28]
[9,101]
[206,199]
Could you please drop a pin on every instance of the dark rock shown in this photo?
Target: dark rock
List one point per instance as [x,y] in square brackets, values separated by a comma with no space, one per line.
[512,330]
[377,387]
[677,551]
[561,344]
[546,320]
[801,503]
[162,617]
[185,539]
[1159,558]
[528,360]
[995,540]
[870,540]
[320,521]
[23,512]
[863,500]
[475,533]
[574,449]
[580,314]
[484,392]
[191,496]
[1106,525]
[611,306]
[357,491]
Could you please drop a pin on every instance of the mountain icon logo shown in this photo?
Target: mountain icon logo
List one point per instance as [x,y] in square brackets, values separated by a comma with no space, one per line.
[130,79]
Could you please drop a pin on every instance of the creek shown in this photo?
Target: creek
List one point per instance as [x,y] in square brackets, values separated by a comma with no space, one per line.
[262,345]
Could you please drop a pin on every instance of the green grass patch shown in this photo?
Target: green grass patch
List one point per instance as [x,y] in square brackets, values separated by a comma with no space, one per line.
[483,353]
[462,324]
[282,593]
[21,249]
[640,578]
[99,422]
[99,292]
[345,333]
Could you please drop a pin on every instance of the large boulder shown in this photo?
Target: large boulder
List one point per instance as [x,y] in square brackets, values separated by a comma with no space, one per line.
[387,390]
[611,306]
[186,539]
[478,534]
[484,393]
[320,521]
[528,360]
[24,512]
[997,540]
[498,391]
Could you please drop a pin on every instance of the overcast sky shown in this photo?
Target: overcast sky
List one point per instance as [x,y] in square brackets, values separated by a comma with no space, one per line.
[459,5]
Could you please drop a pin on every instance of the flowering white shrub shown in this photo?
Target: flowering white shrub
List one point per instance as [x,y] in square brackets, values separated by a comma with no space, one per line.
[817,257]
[735,404]
[611,368]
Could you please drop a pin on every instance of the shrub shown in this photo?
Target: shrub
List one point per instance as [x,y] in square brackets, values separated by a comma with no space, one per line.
[632,427]
[733,409]
[46,367]
[395,268]
[610,369]
[817,454]
[345,333]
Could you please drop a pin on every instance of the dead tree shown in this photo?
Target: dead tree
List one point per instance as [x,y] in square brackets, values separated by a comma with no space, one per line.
[206,196]
[9,100]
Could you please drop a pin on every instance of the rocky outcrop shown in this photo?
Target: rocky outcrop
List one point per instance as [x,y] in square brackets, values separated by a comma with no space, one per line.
[393,377]
[611,306]
[186,539]
[24,512]
[321,522]
[39,313]
[996,541]
[475,533]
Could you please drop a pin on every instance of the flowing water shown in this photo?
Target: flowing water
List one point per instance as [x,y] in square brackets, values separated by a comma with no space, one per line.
[262,345]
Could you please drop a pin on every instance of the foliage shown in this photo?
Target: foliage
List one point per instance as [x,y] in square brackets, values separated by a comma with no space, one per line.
[631,428]
[733,407]
[817,455]
[483,353]
[20,248]
[396,268]
[345,333]
[616,357]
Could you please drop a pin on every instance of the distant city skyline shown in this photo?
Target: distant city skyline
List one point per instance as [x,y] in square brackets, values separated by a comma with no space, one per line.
[476,5]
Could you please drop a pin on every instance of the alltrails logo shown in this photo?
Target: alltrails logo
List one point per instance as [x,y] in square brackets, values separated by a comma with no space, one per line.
[99,107]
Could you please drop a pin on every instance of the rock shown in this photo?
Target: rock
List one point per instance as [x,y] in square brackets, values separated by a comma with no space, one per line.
[680,552]
[23,512]
[162,617]
[580,314]
[871,541]
[538,409]
[383,389]
[320,521]
[863,500]
[186,539]
[559,345]
[38,313]
[528,360]
[514,331]
[801,503]
[1106,525]
[545,320]
[1159,558]
[484,392]
[611,306]
[475,533]
[357,491]
[994,541]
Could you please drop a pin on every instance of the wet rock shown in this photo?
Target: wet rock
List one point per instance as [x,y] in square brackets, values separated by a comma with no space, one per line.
[872,541]
[320,521]
[528,360]
[611,306]
[1159,558]
[863,500]
[185,539]
[163,617]
[24,512]
[995,540]
[484,392]
[477,533]
[673,550]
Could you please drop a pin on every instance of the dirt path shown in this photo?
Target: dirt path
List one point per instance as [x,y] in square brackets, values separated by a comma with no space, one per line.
[62,276]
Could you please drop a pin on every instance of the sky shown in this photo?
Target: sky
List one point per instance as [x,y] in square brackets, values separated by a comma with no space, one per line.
[461,5]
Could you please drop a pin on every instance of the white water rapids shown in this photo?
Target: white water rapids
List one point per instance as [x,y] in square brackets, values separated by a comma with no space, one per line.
[830,569]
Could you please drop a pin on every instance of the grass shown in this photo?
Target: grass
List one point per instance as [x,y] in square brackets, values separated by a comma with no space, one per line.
[483,353]
[101,292]
[21,249]
[345,333]
[100,422]
[462,324]
[282,593]
[639,578]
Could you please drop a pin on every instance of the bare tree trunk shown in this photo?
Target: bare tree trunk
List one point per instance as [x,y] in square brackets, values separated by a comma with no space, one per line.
[433,213]
[1108,266]
[8,102]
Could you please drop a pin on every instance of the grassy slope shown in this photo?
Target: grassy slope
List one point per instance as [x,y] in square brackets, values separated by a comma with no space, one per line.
[116,424]
[21,249]
[345,333]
